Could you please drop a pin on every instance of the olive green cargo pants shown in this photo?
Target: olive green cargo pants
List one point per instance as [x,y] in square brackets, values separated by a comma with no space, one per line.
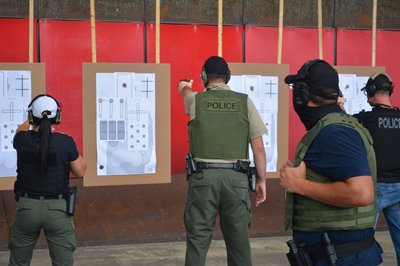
[31,216]
[222,191]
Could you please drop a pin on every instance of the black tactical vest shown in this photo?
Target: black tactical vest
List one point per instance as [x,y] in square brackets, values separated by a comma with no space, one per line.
[30,179]
[384,127]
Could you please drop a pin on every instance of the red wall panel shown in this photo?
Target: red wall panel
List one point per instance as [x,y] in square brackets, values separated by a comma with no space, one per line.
[388,55]
[299,45]
[65,45]
[14,36]
[355,49]
[185,48]
[119,42]
[261,44]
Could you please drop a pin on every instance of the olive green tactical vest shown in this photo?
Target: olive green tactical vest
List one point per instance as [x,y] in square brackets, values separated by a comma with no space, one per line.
[307,215]
[221,127]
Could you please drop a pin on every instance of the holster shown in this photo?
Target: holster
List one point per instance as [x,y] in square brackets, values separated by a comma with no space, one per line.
[252,176]
[298,254]
[191,165]
[70,197]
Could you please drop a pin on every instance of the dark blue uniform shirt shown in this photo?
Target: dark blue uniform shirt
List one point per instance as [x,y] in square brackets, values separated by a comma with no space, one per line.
[338,152]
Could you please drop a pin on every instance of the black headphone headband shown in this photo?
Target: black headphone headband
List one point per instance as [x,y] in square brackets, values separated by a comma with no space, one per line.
[301,90]
[371,87]
[42,95]
[204,76]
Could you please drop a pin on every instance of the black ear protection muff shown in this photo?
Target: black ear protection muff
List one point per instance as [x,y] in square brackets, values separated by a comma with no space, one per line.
[55,120]
[301,90]
[371,88]
[204,77]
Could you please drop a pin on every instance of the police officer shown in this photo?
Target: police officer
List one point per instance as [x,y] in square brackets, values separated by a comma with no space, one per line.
[45,160]
[383,122]
[330,201]
[222,125]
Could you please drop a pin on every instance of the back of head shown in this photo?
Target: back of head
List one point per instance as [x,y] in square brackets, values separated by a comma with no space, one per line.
[44,106]
[215,67]
[378,82]
[43,111]
[316,81]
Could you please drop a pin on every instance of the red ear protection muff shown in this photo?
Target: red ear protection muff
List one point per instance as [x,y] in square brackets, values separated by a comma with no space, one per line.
[301,90]
[371,88]
[55,120]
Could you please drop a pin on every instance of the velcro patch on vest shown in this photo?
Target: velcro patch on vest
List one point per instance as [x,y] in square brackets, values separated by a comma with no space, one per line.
[222,105]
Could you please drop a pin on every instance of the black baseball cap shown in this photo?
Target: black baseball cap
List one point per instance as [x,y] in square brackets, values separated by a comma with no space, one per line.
[216,65]
[319,75]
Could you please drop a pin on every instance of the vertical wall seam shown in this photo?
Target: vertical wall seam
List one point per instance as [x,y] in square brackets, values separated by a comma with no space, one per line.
[36,15]
[144,33]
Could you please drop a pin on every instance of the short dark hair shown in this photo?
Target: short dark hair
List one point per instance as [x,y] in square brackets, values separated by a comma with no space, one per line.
[330,97]
[213,77]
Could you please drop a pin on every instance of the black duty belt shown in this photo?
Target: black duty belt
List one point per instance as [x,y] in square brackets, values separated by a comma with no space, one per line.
[319,253]
[42,197]
[241,166]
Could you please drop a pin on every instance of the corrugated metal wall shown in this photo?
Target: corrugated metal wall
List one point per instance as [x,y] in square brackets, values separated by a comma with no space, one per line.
[300,13]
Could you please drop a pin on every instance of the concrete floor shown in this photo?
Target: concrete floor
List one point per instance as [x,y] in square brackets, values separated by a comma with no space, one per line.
[265,251]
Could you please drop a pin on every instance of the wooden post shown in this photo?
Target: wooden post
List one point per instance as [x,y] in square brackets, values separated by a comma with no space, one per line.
[31,17]
[280,31]
[157,31]
[220,5]
[374,11]
[93,29]
[320,46]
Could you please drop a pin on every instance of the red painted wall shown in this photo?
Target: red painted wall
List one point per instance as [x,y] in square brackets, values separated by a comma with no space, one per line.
[298,46]
[14,44]
[186,54]
[65,45]
[354,47]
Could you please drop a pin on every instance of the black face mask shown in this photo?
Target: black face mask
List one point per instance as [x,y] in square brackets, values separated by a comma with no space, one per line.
[309,116]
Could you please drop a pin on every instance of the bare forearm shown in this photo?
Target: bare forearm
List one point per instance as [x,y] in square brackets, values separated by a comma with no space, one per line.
[355,192]
[78,167]
[257,146]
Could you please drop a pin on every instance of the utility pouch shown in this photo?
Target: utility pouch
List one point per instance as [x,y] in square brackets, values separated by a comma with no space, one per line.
[70,197]
[252,176]
[298,255]
[191,165]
